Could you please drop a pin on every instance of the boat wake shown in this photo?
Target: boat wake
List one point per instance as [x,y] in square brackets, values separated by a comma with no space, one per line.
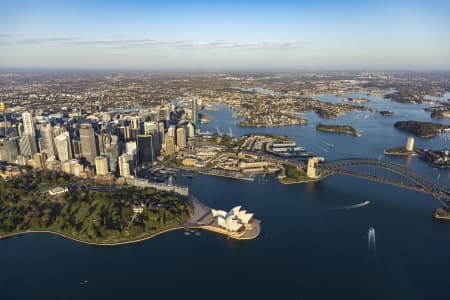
[347,207]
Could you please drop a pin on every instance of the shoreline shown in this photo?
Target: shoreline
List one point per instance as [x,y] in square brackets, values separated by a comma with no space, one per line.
[86,242]
[411,153]
[299,181]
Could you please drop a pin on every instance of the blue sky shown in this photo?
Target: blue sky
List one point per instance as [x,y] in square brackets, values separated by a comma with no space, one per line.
[226,35]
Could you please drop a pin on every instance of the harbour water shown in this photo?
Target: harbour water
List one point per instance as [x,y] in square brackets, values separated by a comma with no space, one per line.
[305,250]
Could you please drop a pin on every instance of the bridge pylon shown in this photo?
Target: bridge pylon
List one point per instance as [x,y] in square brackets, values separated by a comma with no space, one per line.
[311,170]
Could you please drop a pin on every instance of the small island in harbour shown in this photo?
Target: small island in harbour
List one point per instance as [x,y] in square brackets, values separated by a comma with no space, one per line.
[386,113]
[355,100]
[346,129]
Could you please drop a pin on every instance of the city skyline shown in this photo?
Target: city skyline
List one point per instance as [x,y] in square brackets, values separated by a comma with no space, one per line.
[250,36]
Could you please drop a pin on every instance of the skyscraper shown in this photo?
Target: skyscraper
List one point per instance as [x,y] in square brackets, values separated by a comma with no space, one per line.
[145,148]
[63,146]
[28,124]
[126,164]
[27,145]
[181,137]
[150,127]
[161,131]
[46,142]
[130,148]
[87,140]
[112,152]
[40,160]
[169,144]
[194,112]
[135,123]
[190,130]
[3,110]
[101,165]
[9,149]
[171,131]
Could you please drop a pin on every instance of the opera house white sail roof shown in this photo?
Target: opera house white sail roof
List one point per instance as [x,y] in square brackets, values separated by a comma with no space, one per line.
[233,220]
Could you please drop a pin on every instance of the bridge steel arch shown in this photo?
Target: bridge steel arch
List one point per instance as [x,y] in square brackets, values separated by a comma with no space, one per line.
[421,182]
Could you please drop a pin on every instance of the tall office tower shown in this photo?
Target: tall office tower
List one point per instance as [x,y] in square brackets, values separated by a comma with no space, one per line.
[9,149]
[130,148]
[169,144]
[76,146]
[46,142]
[161,131]
[104,139]
[101,165]
[124,133]
[171,131]
[135,123]
[145,149]
[190,130]
[27,145]
[154,115]
[181,137]
[20,129]
[164,114]
[28,124]
[112,153]
[126,165]
[40,160]
[88,145]
[57,130]
[63,146]
[3,110]
[150,127]
[194,112]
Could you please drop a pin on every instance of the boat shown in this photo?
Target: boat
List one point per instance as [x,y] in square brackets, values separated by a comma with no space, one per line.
[347,207]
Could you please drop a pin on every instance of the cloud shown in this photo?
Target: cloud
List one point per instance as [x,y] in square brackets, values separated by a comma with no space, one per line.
[7,39]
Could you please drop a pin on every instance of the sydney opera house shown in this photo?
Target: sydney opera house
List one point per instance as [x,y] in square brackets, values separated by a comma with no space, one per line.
[234,220]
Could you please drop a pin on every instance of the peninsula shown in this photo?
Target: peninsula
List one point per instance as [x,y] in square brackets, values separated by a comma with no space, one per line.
[54,202]
[421,129]
[399,151]
[59,203]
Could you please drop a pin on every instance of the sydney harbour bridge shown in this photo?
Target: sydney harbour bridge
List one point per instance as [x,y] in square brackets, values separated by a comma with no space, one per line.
[375,170]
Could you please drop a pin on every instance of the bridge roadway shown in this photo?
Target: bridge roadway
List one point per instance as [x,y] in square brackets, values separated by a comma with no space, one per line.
[412,179]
